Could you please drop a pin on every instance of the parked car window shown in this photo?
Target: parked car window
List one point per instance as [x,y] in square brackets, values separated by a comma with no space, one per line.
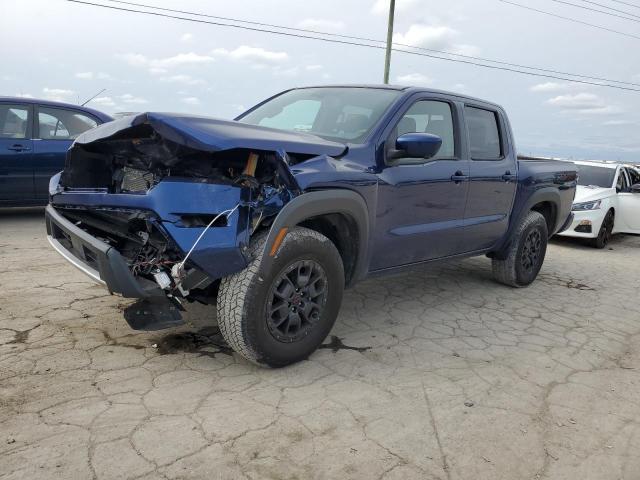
[62,124]
[621,184]
[484,134]
[335,113]
[14,121]
[428,116]
[595,176]
[634,176]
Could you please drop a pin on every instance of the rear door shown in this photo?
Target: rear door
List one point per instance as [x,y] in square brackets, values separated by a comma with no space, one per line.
[628,214]
[493,177]
[56,128]
[16,149]
[421,201]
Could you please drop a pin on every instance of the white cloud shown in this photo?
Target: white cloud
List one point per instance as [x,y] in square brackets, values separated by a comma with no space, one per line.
[313,68]
[131,99]
[162,65]
[183,79]
[104,101]
[579,101]
[91,76]
[415,79]
[191,100]
[584,104]
[286,72]
[23,95]
[618,123]
[187,37]
[321,24]
[552,87]
[57,94]
[252,54]
[434,37]
[381,7]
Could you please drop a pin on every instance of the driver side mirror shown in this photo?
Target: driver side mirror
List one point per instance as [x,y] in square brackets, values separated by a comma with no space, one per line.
[418,145]
[635,188]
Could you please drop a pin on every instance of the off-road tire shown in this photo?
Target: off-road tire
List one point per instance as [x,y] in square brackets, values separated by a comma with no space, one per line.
[244,299]
[604,234]
[521,267]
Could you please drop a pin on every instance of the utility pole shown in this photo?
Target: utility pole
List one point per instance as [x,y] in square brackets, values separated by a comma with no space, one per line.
[387,59]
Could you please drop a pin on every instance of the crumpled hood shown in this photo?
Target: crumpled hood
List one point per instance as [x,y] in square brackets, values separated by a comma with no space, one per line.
[588,194]
[214,135]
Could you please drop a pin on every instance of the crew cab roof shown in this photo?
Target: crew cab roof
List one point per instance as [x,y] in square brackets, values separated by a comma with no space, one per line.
[409,90]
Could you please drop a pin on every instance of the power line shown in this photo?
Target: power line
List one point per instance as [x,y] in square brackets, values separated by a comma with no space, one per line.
[599,27]
[626,3]
[365,39]
[591,9]
[347,42]
[611,8]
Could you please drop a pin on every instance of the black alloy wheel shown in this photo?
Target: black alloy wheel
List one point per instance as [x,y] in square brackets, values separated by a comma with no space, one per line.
[531,251]
[605,232]
[296,300]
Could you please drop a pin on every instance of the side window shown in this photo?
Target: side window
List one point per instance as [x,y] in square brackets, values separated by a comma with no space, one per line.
[634,176]
[62,124]
[429,116]
[484,134]
[14,121]
[621,184]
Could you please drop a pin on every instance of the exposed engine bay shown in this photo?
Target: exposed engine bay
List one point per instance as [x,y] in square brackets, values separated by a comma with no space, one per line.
[137,160]
[179,197]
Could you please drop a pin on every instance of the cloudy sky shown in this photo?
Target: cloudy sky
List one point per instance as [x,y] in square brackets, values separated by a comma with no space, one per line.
[67,51]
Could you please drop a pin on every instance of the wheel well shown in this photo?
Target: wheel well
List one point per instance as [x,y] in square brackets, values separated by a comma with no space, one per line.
[342,230]
[549,212]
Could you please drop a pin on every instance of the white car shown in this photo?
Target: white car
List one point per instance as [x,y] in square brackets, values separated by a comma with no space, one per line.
[607,201]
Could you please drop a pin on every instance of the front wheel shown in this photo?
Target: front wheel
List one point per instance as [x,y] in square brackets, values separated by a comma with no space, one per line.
[281,316]
[605,232]
[526,253]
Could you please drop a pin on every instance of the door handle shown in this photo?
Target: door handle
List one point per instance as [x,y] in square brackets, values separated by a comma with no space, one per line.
[507,177]
[18,148]
[459,177]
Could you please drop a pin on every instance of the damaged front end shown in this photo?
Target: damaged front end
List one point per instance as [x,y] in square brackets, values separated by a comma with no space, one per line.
[160,207]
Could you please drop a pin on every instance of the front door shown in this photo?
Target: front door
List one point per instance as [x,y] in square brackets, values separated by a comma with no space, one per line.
[16,169]
[421,202]
[57,128]
[628,214]
[492,187]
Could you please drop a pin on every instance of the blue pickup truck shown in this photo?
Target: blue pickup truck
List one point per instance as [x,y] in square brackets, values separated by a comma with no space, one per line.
[270,216]
[34,138]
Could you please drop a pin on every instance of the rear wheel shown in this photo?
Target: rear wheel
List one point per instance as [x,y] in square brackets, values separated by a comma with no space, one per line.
[281,316]
[605,232]
[526,253]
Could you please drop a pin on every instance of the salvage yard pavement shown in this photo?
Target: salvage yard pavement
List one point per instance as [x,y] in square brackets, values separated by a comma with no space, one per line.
[437,373]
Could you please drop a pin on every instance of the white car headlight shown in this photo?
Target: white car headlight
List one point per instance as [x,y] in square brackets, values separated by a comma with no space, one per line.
[579,207]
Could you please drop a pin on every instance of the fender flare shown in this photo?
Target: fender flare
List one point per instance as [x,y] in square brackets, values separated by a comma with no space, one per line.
[548,194]
[316,203]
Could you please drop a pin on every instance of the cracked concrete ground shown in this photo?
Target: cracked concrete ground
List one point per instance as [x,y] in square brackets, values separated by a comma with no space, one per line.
[437,373]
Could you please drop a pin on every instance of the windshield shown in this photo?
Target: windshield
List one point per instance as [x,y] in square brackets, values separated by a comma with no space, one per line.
[339,114]
[595,176]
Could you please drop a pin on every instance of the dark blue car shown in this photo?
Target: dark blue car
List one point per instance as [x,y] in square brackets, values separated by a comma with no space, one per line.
[34,138]
[270,216]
